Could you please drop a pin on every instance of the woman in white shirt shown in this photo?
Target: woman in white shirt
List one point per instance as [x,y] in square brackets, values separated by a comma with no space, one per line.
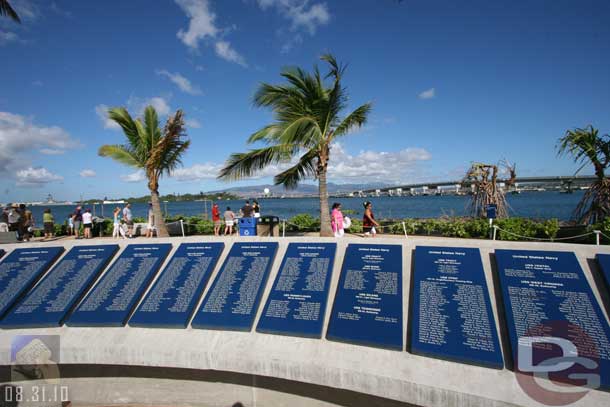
[87,223]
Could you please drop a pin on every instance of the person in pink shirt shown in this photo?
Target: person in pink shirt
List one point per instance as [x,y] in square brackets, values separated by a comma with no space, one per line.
[336,220]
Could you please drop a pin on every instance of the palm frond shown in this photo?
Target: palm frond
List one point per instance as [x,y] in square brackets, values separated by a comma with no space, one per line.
[244,165]
[267,134]
[306,167]
[165,153]
[355,119]
[337,69]
[580,143]
[121,116]
[7,10]
[121,153]
[151,127]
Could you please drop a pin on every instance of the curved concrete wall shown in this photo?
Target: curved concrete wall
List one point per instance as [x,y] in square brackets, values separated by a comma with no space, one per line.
[386,374]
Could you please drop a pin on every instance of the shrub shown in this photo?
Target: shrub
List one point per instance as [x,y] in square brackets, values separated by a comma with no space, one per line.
[356,226]
[303,222]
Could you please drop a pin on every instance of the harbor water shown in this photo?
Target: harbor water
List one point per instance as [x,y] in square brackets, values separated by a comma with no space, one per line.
[536,205]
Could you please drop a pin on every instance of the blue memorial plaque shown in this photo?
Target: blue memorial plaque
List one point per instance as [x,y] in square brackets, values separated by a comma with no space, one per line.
[115,295]
[368,304]
[451,314]
[60,290]
[604,265]
[172,299]
[20,270]
[233,298]
[551,312]
[297,302]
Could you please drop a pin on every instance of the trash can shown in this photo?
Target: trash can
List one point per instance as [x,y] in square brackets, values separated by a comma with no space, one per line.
[268,226]
[97,228]
[247,226]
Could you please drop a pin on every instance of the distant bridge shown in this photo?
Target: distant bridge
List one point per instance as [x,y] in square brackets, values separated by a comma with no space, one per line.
[564,181]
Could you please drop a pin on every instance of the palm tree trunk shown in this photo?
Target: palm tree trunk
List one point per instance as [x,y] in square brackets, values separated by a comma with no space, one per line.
[325,229]
[159,222]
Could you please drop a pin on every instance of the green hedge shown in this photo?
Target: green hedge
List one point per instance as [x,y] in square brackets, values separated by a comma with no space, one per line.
[510,229]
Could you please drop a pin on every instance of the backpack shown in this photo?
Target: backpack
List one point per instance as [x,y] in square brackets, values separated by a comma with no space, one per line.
[13,216]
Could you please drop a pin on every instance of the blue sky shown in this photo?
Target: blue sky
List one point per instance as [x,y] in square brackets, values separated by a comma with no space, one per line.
[451,83]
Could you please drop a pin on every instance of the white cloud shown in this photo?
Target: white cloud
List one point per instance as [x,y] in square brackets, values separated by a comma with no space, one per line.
[202,25]
[183,83]
[193,123]
[301,14]
[59,11]
[20,137]
[137,176]
[197,172]
[135,106]
[36,177]
[51,151]
[102,112]
[138,105]
[160,105]
[369,166]
[7,37]
[87,173]
[225,51]
[428,94]
[26,10]
[201,22]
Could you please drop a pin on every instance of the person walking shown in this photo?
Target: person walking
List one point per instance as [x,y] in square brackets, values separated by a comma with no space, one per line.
[27,223]
[216,219]
[77,219]
[257,209]
[14,217]
[229,216]
[128,219]
[87,223]
[368,221]
[336,220]
[116,224]
[150,225]
[48,222]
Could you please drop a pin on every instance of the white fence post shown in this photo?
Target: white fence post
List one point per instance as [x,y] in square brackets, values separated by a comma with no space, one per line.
[597,233]
[284,228]
[404,227]
[182,227]
[495,232]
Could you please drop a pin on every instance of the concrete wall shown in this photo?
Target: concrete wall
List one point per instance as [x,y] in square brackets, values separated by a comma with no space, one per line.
[207,364]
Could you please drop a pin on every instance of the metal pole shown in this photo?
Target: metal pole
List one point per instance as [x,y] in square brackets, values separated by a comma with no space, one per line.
[597,232]
[404,227]
[182,227]
[495,231]
[284,228]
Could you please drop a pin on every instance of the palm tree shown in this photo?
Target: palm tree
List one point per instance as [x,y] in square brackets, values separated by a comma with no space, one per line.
[307,122]
[150,150]
[588,147]
[7,10]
